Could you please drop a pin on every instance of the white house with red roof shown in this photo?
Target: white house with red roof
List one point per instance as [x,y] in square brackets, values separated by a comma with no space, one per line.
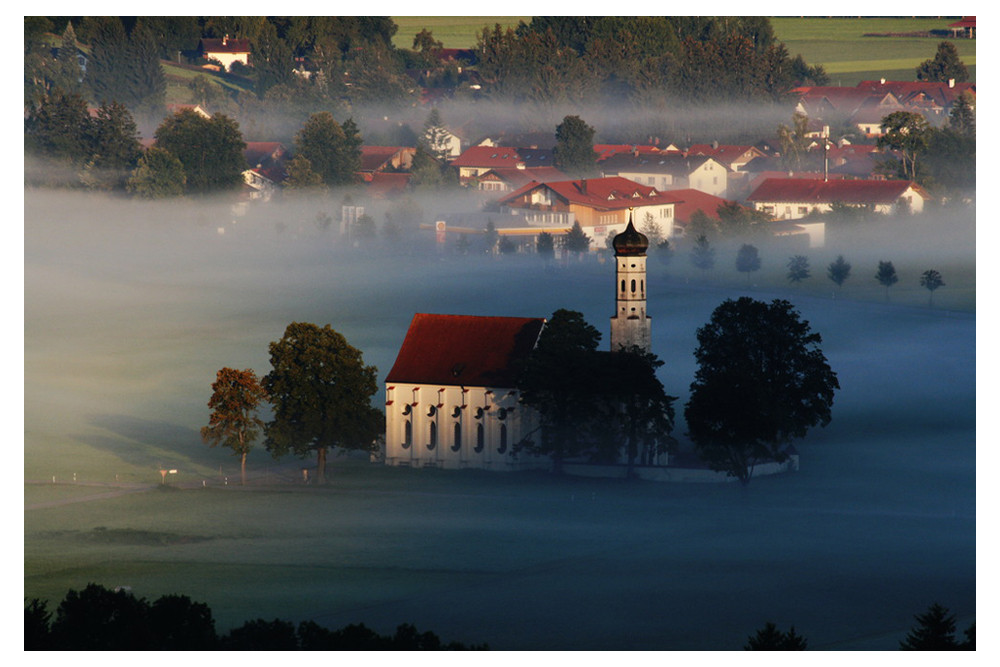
[795,198]
[600,205]
[669,171]
[451,396]
[226,50]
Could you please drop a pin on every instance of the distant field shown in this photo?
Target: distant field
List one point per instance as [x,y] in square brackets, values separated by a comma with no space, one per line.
[456,32]
[839,44]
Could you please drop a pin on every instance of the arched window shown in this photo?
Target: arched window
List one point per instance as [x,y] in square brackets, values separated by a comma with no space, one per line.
[633,285]
[503,439]
[407,434]
[480,438]
[457,444]
[623,286]
[433,436]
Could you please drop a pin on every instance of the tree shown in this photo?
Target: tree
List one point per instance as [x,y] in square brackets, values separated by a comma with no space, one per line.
[180,624]
[798,269]
[320,391]
[574,151]
[962,118]
[158,174]
[886,276]
[491,237]
[747,260]
[115,146]
[545,246]
[60,128]
[931,280]
[261,635]
[146,91]
[301,175]
[839,271]
[557,382]
[37,619]
[907,132]
[436,134]
[664,252]
[576,240]
[332,154]
[652,229]
[762,381]
[107,64]
[945,66]
[636,405]
[98,619]
[770,638]
[506,246]
[935,631]
[703,254]
[794,141]
[210,149]
[233,423]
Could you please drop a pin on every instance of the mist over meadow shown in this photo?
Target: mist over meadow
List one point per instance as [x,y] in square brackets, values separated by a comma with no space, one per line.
[131,308]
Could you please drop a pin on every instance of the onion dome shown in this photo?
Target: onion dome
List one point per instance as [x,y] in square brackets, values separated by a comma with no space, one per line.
[631,241]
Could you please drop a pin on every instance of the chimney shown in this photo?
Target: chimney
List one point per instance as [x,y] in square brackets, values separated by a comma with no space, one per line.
[583,185]
[225,39]
[882,80]
[951,83]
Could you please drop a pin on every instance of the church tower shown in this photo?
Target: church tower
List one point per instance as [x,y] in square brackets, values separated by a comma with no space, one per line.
[630,325]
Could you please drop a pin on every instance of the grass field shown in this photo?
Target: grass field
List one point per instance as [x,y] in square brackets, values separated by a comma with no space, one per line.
[839,44]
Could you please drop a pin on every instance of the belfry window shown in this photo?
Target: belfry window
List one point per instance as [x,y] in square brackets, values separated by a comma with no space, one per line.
[457,444]
[503,439]
[433,436]
[633,285]
[480,438]
[407,434]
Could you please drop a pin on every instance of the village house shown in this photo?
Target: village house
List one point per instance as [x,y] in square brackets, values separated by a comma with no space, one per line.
[376,159]
[477,160]
[668,171]
[796,198]
[507,179]
[226,50]
[600,205]
[265,168]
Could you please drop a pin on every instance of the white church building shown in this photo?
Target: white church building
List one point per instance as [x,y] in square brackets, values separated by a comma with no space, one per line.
[452,399]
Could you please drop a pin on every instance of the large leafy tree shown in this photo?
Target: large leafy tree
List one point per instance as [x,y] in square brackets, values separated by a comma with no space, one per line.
[931,280]
[761,382]
[211,149]
[574,151]
[320,390]
[331,152]
[798,269]
[59,127]
[236,396]
[747,260]
[908,133]
[702,253]
[158,174]
[558,383]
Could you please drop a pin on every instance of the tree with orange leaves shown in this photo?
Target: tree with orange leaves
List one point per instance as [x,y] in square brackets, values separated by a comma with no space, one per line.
[234,422]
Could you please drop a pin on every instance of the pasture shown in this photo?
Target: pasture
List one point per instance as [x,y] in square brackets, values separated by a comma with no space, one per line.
[130,309]
[839,44]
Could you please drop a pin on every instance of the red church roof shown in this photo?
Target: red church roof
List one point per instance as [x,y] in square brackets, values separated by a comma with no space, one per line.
[465,350]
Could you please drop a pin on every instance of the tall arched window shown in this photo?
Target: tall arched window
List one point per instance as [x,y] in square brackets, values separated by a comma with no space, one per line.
[457,439]
[433,436]
[407,434]
[480,438]
[633,285]
[503,439]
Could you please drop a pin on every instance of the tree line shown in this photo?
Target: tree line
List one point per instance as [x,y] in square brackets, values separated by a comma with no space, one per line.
[100,619]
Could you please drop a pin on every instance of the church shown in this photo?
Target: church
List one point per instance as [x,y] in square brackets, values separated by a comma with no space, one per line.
[452,399]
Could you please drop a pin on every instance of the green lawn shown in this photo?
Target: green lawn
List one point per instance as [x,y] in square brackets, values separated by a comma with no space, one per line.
[455,32]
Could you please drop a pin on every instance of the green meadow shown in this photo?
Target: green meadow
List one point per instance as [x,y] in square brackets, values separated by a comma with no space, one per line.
[839,44]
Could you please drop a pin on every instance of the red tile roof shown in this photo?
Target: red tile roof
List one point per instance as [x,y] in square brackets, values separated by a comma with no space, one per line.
[227,45]
[374,157]
[607,150]
[811,190]
[609,194]
[964,22]
[503,156]
[465,350]
[383,185]
[517,178]
[694,200]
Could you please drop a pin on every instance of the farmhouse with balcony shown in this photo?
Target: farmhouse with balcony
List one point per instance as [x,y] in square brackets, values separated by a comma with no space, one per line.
[226,50]
[600,205]
[796,198]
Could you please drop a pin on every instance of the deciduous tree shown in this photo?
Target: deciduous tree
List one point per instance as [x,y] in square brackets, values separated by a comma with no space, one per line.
[907,132]
[158,174]
[211,149]
[761,382]
[703,254]
[320,390]
[931,280]
[234,423]
[747,260]
[798,269]
[839,271]
[886,276]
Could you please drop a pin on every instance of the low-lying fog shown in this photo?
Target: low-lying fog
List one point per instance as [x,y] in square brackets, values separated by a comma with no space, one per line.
[131,309]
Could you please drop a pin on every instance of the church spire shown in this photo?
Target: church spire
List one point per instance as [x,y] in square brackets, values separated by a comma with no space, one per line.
[630,325]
